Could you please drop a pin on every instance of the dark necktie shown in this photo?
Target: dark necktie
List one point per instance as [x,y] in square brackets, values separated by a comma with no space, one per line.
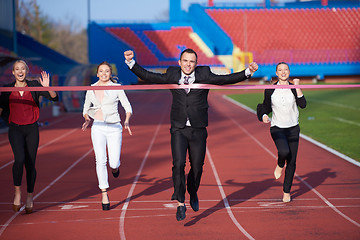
[186,82]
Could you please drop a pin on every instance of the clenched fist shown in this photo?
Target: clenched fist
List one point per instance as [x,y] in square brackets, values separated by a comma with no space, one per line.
[129,55]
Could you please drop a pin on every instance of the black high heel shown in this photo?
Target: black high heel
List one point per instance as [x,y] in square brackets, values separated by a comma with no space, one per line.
[105,206]
[116,174]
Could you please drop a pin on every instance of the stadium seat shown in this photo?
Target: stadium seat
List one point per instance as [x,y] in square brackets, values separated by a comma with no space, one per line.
[299,36]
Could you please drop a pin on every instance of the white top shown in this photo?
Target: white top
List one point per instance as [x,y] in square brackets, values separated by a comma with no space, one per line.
[108,105]
[191,80]
[285,112]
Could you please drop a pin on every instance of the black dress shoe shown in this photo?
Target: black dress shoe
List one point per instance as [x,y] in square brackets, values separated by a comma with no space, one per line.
[116,174]
[194,202]
[180,213]
[105,206]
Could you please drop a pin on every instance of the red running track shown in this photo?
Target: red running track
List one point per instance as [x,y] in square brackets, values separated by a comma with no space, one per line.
[239,197]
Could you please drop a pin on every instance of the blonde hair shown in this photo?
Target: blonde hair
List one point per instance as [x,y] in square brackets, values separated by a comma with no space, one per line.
[23,62]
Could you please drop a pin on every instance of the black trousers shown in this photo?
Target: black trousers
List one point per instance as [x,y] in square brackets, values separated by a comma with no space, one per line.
[193,141]
[287,142]
[24,141]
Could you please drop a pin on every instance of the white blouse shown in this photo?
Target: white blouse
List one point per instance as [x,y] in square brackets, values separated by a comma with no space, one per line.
[108,105]
[285,112]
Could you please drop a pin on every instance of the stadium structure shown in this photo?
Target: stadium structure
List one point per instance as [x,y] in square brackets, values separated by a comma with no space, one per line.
[317,38]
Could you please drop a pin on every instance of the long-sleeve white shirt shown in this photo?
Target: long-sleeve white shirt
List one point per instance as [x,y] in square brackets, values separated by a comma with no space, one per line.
[284,109]
[108,105]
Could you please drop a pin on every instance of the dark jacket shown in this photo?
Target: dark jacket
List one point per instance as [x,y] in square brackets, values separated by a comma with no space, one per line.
[194,104]
[4,97]
[265,107]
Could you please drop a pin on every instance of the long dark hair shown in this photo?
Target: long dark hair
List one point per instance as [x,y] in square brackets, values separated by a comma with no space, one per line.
[112,78]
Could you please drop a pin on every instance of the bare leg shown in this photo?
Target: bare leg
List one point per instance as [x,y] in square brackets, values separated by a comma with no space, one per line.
[286,197]
[105,200]
[17,199]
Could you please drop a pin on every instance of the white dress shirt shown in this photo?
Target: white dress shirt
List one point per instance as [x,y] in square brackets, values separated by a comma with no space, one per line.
[285,112]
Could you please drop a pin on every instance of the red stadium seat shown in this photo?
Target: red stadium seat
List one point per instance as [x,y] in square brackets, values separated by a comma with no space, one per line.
[145,56]
[294,35]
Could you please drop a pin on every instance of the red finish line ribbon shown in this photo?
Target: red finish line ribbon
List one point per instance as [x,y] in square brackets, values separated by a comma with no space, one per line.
[170,86]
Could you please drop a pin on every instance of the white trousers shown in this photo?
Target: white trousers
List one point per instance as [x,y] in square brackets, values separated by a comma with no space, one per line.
[106,135]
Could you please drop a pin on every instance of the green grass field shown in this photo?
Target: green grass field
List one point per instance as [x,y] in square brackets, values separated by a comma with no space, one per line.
[332,117]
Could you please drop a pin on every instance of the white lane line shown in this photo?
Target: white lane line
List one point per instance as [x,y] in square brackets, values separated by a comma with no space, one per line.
[164,201]
[63,202]
[297,176]
[128,198]
[336,153]
[44,145]
[44,189]
[323,146]
[328,202]
[223,195]
[260,206]
[52,123]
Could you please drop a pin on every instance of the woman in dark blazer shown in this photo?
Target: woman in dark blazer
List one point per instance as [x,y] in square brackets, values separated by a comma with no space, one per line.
[21,110]
[285,130]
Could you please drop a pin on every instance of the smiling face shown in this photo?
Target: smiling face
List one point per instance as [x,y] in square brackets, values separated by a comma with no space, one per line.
[104,73]
[283,72]
[20,69]
[187,63]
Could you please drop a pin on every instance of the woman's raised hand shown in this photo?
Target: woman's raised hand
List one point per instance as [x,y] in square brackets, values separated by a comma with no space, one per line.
[45,79]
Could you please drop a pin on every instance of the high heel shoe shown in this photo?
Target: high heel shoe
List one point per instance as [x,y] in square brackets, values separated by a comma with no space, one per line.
[29,204]
[105,206]
[17,199]
[16,208]
[28,210]
[116,174]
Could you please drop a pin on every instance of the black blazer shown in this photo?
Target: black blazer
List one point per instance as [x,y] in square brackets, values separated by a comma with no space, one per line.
[4,97]
[194,104]
[265,107]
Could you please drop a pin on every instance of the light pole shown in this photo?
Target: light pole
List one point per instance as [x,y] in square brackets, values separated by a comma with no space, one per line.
[88,27]
[14,28]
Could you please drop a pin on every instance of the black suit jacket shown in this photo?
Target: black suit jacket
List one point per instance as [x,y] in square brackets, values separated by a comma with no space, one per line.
[194,104]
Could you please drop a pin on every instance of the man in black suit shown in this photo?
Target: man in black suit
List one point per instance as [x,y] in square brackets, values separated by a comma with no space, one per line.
[189,118]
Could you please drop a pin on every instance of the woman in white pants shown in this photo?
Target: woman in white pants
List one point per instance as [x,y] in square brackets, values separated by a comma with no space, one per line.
[106,130]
